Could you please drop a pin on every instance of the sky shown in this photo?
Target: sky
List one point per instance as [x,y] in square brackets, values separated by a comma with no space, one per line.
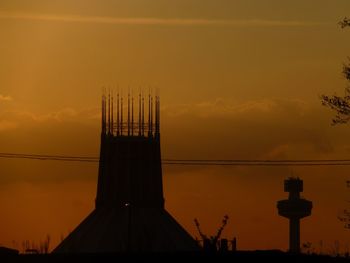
[238,79]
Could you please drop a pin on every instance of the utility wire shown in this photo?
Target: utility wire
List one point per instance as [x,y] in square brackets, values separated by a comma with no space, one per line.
[261,160]
[44,156]
[49,156]
[256,164]
[188,162]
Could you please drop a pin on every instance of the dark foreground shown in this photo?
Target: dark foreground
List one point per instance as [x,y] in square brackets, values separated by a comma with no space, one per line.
[240,256]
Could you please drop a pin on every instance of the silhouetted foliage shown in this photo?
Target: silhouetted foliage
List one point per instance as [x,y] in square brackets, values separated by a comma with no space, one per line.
[203,236]
[211,243]
[345,216]
[307,247]
[340,104]
[32,248]
[224,223]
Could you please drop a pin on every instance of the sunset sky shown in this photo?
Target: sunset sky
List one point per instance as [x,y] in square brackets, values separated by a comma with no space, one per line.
[238,79]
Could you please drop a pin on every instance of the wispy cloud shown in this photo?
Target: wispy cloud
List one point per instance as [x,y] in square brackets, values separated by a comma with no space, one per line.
[7,125]
[5,98]
[160,21]
[62,115]
[221,107]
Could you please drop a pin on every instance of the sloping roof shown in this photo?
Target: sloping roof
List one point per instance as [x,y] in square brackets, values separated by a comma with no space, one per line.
[8,251]
[128,229]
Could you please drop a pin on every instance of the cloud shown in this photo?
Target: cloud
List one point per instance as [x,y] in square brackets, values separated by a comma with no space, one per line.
[220,107]
[7,125]
[255,128]
[5,98]
[160,21]
[237,129]
[266,128]
[62,115]
[66,117]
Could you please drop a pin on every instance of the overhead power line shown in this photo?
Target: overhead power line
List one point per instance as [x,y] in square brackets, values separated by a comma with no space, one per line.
[48,157]
[188,162]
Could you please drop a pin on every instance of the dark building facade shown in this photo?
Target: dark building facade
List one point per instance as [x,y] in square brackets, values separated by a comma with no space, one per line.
[129,213]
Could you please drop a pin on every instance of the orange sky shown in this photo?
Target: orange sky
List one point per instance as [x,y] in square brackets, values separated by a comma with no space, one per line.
[237,79]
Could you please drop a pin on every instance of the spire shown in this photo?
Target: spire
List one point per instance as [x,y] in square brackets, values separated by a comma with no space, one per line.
[151,118]
[143,117]
[132,115]
[128,114]
[118,123]
[103,113]
[140,114]
[109,112]
[135,124]
[157,116]
[113,119]
[149,115]
[121,116]
[112,122]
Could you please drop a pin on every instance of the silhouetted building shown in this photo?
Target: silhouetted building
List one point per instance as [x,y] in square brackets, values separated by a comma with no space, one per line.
[223,245]
[8,251]
[129,213]
[294,208]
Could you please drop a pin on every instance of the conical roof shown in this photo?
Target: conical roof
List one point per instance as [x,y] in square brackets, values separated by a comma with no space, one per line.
[128,229]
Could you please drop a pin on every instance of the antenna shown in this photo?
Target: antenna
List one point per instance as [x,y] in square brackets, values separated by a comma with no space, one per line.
[103,113]
[129,114]
[157,116]
[132,115]
[149,115]
[143,117]
[109,111]
[151,124]
[140,113]
[121,116]
[118,123]
[112,122]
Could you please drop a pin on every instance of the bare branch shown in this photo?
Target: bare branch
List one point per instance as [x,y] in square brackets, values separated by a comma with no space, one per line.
[224,222]
[203,236]
[341,105]
[346,70]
